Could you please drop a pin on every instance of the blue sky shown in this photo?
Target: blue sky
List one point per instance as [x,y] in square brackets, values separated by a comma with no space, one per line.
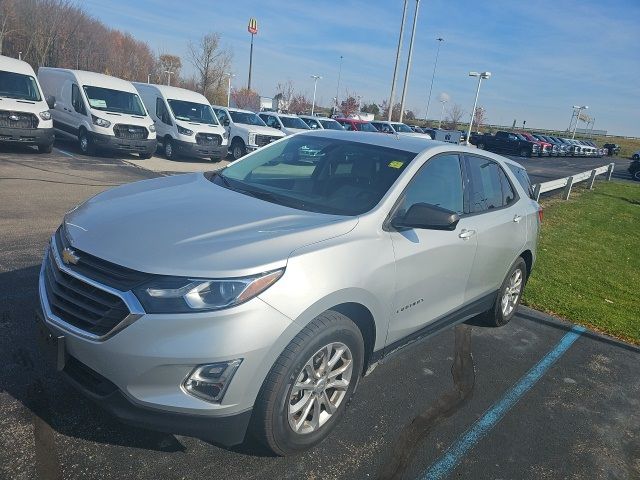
[544,56]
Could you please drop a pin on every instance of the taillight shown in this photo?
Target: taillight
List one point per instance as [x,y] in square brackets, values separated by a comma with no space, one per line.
[540,214]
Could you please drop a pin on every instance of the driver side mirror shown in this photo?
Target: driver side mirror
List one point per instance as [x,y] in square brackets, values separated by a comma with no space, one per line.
[428,217]
[51,101]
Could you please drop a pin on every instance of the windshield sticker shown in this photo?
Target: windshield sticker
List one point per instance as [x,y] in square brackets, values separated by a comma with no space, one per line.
[97,103]
[396,164]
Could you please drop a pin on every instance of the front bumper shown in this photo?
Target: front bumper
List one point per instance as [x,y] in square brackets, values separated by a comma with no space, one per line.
[192,149]
[27,136]
[116,144]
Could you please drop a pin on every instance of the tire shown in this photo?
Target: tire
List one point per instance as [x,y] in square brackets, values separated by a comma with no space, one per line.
[169,150]
[274,420]
[480,146]
[215,159]
[238,149]
[636,176]
[525,153]
[145,156]
[636,157]
[498,315]
[86,145]
[46,148]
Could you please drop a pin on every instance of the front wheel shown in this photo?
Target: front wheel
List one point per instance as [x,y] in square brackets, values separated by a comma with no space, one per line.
[509,296]
[308,388]
[636,176]
[86,145]
[169,152]
[525,153]
[636,156]
[238,149]
[480,146]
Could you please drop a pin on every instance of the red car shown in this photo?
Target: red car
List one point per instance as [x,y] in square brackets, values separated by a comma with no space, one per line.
[545,147]
[356,125]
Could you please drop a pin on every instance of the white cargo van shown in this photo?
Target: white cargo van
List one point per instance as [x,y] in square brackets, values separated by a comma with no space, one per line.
[246,131]
[99,111]
[185,122]
[24,114]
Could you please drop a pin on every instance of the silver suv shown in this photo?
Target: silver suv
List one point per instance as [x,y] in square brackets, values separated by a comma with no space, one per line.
[256,297]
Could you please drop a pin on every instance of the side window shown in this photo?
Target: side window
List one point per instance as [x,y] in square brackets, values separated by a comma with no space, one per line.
[272,122]
[347,125]
[488,185]
[222,116]
[439,183]
[162,113]
[76,100]
[523,179]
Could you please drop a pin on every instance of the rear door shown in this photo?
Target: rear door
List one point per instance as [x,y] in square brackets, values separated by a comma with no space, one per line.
[499,218]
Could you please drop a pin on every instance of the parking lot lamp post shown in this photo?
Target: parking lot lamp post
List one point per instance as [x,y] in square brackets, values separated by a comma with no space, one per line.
[229,75]
[433,76]
[395,68]
[169,73]
[339,76]
[480,76]
[406,73]
[443,101]
[579,109]
[315,87]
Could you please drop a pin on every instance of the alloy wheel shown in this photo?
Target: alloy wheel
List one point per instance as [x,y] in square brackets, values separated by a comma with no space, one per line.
[512,293]
[84,143]
[320,388]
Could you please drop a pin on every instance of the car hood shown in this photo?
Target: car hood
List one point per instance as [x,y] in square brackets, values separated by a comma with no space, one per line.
[260,129]
[414,134]
[186,225]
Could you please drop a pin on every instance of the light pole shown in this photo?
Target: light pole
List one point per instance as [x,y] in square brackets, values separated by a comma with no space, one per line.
[406,73]
[433,76]
[229,75]
[395,68]
[443,101]
[579,109]
[169,73]
[315,86]
[339,75]
[480,76]
[148,78]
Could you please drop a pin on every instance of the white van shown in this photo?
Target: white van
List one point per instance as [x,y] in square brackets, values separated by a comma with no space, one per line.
[285,122]
[99,111]
[185,122]
[24,114]
[246,131]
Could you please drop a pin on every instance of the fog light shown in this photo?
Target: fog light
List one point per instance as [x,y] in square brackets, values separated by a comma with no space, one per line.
[209,382]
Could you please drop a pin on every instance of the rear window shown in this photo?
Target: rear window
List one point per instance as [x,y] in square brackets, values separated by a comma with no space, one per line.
[523,179]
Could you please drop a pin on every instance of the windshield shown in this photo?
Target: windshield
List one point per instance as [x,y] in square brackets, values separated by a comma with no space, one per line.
[294,122]
[367,127]
[15,85]
[318,174]
[331,125]
[247,118]
[401,127]
[192,112]
[313,123]
[521,137]
[117,101]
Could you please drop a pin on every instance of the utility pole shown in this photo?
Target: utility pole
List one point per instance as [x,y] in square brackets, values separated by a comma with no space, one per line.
[433,76]
[406,75]
[480,76]
[169,73]
[252,29]
[338,87]
[395,68]
[229,75]
[315,87]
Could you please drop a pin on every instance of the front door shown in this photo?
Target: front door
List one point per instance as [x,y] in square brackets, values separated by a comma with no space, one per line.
[432,266]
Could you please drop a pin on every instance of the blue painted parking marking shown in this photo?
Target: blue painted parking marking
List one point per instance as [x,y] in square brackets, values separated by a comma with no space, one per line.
[442,467]
[64,153]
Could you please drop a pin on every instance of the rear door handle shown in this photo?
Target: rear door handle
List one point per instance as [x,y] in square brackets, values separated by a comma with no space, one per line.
[517,218]
[465,234]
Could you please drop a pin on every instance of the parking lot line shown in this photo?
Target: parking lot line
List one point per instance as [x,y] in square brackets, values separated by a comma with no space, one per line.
[64,152]
[442,467]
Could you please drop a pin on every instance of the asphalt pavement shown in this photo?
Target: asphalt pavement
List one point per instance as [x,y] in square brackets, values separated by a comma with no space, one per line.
[535,399]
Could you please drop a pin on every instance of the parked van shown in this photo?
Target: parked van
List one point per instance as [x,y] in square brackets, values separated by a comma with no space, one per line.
[185,123]
[247,132]
[99,111]
[24,114]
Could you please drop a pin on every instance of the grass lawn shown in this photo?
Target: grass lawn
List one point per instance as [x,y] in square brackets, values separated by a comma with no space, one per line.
[588,265]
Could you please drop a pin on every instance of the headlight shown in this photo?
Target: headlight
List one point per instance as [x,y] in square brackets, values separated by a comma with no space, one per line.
[252,139]
[101,122]
[184,131]
[152,128]
[185,295]
[46,115]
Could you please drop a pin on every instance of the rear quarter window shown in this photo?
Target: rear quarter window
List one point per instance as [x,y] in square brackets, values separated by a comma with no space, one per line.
[523,178]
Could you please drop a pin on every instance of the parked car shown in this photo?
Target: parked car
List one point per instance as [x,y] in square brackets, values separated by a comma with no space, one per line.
[612,149]
[265,314]
[634,168]
[398,129]
[356,125]
[321,123]
[555,147]
[25,118]
[99,111]
[416,129]
[245,130]
[286,123]
[185,122]
[636,156]
[545,147]
[506,142]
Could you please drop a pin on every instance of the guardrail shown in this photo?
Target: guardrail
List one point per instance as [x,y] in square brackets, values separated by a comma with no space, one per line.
[567,183]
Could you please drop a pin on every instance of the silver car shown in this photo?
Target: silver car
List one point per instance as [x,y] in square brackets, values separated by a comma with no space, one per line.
[256,297]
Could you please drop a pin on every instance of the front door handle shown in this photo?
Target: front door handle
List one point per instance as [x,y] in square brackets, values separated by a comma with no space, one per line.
[517,218]
[466,234]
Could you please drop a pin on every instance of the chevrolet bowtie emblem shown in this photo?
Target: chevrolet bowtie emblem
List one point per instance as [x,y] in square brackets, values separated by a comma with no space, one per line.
[69,256]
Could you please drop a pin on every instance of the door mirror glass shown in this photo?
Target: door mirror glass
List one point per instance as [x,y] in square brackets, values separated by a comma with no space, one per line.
[425,216]
[51,101]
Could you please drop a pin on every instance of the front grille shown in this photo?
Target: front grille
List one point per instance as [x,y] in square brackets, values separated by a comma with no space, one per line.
[208,139]
[262,140]
[130,132]
[10,119]
[80,304]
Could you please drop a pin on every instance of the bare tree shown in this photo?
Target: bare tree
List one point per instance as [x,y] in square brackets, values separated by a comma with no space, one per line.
[395,114]
[211,62]
[300,103]
[350,105]
[454,115]
[479,117]
[284,95]
[170,63]
[7,19]
[247,99]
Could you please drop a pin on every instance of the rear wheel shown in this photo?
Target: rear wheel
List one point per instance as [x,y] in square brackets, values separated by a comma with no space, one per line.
[145,156]
[525,153]
[308,388]
[509,295]
[636,176]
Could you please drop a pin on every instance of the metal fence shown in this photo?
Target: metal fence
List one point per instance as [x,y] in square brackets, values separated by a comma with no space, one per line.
[567,183]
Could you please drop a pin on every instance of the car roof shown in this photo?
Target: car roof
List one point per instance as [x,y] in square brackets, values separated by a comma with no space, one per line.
[354,120]
[173,92]
[233,109]
[315,117]
[96,79]
[10,64]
